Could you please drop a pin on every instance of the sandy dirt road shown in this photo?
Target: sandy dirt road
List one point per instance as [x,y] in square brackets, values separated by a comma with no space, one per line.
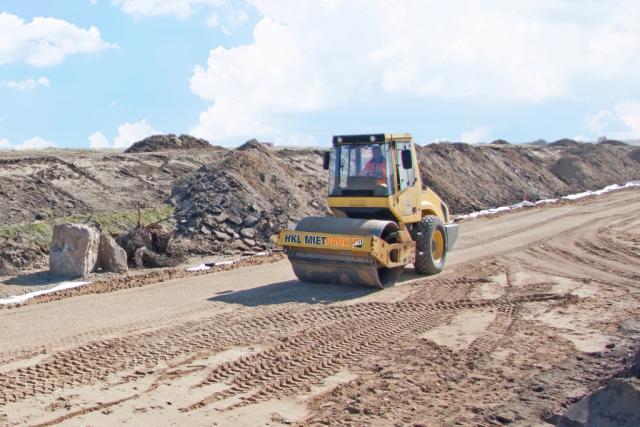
[535,309]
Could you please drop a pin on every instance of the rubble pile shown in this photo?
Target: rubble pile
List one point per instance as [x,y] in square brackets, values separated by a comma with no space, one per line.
[239,202]
[150,246]
[169,142]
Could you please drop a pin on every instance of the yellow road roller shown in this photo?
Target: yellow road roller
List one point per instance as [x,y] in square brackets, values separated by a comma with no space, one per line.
[383,217]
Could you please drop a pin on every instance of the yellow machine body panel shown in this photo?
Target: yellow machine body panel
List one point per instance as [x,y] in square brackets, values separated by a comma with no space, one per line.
[368,241]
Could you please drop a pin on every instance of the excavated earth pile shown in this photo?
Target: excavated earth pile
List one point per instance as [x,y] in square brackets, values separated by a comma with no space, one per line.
[53,184]
[240,201]
[479,177]
[234,200]
[169,143]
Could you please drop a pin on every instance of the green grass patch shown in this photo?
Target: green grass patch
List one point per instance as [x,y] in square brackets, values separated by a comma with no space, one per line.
[112,222]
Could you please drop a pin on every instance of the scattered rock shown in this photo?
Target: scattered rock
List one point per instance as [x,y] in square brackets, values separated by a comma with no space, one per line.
[250,221]
[221,236]
[248,233]
[74,250]
[111,257]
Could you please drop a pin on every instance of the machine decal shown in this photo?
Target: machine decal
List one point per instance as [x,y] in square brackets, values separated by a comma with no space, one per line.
[334,241]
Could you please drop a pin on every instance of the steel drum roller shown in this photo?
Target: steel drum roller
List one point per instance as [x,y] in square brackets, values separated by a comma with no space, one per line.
[343,267]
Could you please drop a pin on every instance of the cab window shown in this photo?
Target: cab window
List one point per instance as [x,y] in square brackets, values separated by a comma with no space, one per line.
[406,177]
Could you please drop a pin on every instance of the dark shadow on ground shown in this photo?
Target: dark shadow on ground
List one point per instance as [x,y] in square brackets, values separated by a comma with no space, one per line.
[301,292]
[39,278]
[293,291]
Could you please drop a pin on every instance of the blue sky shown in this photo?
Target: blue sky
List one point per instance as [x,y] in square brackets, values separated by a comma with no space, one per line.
[76,73]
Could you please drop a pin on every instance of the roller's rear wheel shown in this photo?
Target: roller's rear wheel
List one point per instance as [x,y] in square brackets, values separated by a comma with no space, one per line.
[431,245]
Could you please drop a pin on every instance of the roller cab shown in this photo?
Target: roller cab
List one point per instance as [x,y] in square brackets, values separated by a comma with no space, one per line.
[379,207]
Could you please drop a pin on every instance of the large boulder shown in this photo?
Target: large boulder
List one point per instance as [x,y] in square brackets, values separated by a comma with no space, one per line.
[111,257]
[74,250]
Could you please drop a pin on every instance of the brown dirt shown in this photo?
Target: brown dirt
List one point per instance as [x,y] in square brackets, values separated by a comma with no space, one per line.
[169,143]
[472,178]
[277,187]
[549,292]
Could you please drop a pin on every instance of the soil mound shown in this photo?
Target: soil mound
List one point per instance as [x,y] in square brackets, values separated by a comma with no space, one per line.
[240,201]
[168,143]
[252,144]
[565,142]
[476,177]
[538,142]
[570,169]
[258,190]
[612,142]
[20,255]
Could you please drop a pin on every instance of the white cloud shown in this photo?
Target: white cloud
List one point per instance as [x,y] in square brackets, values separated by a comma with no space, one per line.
[35,143]
[27,84]
[213,20]
[178,8]
[128,133]
[45,41]
[97,141]
[621,122]
[312,56]
[228,120]
[475,135]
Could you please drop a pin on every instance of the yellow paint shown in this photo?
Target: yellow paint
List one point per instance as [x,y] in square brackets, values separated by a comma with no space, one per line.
[407,206]
[437,245]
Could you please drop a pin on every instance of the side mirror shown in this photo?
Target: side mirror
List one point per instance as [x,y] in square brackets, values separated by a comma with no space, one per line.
[325,160]
[407,159]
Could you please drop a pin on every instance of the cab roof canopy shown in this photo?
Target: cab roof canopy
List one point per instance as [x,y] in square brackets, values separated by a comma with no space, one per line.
[371,138]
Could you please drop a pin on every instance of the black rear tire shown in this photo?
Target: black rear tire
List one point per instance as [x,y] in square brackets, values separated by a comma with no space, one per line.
[431,245]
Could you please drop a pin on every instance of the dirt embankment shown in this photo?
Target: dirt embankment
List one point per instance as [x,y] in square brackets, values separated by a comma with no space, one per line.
[479,177]
[58,183]
[234,200]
